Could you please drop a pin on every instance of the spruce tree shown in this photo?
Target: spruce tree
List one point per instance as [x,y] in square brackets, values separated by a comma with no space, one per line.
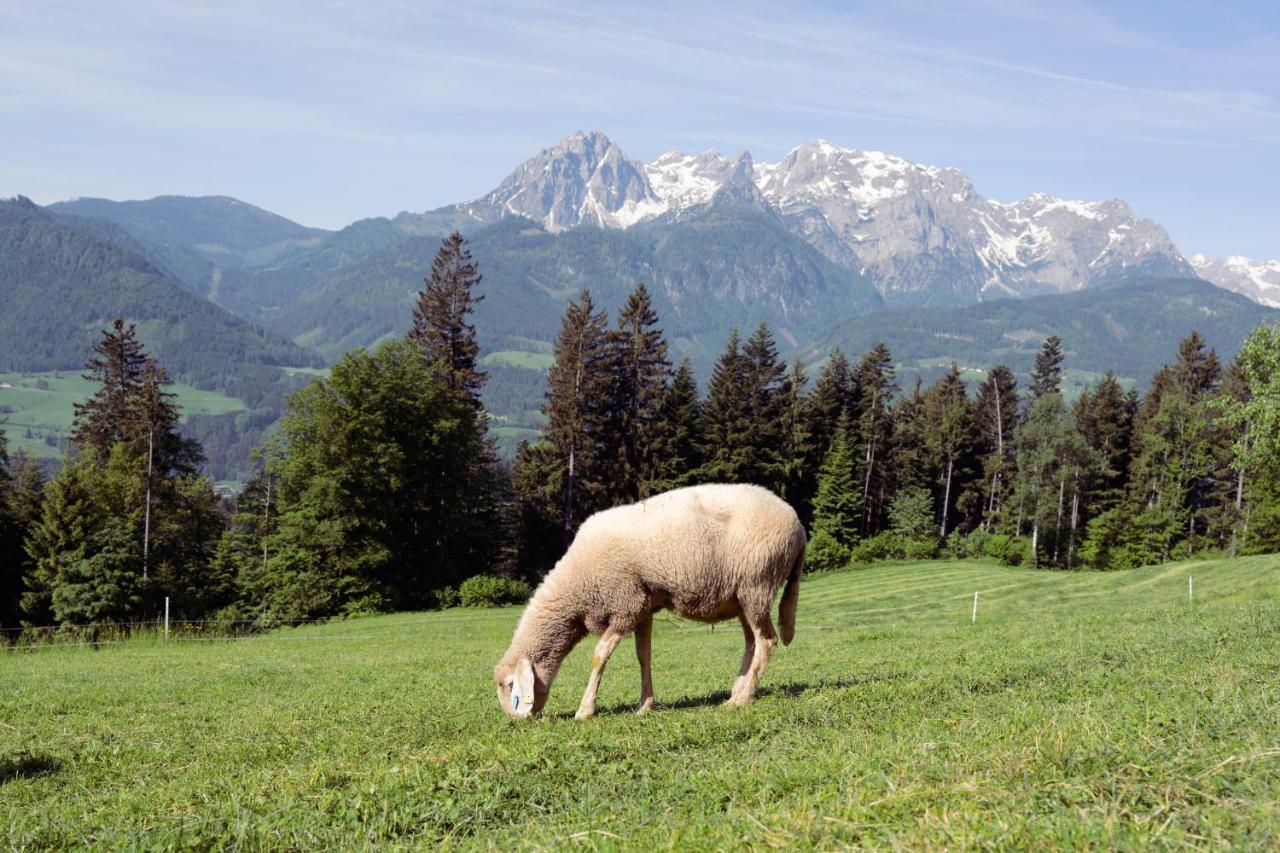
[767,393]
[834,392]
[578,413]
[678,450]
[1046,375]
[638,356]
[116,368]
[837,507]
[726,427]
[441,317]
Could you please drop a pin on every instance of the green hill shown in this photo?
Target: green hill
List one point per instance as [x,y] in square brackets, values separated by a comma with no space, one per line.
[1132,326]
[1083,710]
[61,283]
[193,236]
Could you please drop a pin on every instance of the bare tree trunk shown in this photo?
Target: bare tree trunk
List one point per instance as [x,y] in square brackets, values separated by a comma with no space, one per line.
[266,519]
[146,522]
[1035,544]
[1057,528]
[946,499]
[866,486]
[1235,528]
[1075,520]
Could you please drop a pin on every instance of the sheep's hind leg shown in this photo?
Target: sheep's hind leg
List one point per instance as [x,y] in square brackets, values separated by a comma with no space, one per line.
[599,658]
[748,652]
[644,647]
[766,639]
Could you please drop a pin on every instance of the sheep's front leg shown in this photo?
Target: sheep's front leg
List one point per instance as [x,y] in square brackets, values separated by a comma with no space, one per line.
[644,647]
[599,658]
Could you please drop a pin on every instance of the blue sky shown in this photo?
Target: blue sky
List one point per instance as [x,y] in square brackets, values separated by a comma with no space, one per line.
[329,112]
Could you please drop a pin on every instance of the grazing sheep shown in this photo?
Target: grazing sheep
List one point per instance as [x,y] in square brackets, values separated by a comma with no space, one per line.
[708,553]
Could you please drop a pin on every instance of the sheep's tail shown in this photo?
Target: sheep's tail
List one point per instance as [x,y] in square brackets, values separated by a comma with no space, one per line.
[791,594]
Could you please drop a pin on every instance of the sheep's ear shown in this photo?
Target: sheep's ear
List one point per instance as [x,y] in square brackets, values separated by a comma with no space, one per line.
[522,694]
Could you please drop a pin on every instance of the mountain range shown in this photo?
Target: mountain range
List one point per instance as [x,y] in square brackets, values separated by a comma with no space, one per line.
[829,245]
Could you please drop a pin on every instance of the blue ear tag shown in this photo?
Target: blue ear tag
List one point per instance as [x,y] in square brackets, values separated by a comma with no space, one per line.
[515,701]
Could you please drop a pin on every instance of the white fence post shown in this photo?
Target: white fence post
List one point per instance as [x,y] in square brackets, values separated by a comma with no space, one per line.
[975,608]
[1190,589]
[166,617]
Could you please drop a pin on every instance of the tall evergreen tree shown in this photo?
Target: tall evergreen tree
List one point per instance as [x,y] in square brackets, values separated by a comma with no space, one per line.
[726,428]
[835,391]
[117,369]
[767,395]
[678,451]
[21,493]
[1046,374]
[578,415]
[640,371]
[441,318]
[837,507]
[1104,419]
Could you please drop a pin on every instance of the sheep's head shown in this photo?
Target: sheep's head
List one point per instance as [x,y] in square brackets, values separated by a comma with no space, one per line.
[520,691]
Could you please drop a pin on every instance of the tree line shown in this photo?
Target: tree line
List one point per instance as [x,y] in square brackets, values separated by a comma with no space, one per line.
[382,489]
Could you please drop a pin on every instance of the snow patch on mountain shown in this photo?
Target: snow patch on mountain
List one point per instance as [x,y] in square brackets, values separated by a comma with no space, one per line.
[1258,280]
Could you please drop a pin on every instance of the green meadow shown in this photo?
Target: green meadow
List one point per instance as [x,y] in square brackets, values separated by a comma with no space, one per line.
[1082,709]
[43,404]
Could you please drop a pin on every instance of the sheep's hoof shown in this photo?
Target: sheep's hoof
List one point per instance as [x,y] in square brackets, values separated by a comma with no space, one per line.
[584,713]
[645,707]
[737,700]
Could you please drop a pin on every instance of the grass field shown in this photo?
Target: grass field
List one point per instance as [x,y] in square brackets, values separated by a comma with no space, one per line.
[44,403]
[1081,709]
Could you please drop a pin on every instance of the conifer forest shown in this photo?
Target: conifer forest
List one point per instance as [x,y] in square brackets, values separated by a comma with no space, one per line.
[383,490]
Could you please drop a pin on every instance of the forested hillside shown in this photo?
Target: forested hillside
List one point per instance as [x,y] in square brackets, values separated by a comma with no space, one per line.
[61,284]
[1128,326]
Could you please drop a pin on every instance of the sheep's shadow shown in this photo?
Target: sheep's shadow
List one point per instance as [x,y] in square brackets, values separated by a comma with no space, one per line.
[27,765]
[789,690]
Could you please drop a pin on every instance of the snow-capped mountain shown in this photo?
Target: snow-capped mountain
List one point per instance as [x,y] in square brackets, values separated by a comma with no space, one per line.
[1258,280]
[584,179]
[919,233]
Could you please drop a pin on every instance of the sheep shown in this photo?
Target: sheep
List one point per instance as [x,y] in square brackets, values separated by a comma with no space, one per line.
[709,553]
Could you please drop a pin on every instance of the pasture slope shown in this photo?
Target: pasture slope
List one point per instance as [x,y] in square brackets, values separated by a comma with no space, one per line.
[1082,709]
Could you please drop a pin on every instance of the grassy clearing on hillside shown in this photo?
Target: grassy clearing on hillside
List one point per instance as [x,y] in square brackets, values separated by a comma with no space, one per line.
[520,358]
[44,403]
[1081,709]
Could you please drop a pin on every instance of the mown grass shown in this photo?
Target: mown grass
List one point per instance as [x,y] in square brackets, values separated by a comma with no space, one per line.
[1082,709]
[44,403]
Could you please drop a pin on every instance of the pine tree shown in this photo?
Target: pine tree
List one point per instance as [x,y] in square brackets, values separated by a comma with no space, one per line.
[577,413]
[835,391]
[21,493]
[837,507]
[117,368]
[797,481]
[441,325]
[726,428]
[679,444]
[638,355]
[1104,419]
[1046,375]
[767,392]
[72,515]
